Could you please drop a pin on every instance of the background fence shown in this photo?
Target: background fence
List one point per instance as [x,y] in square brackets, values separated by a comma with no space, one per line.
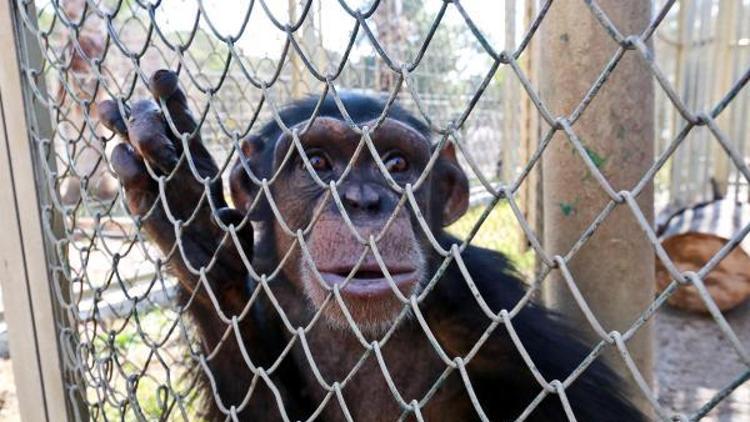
[113,311]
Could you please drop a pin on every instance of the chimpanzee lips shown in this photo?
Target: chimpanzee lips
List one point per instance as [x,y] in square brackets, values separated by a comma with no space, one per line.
[369,280]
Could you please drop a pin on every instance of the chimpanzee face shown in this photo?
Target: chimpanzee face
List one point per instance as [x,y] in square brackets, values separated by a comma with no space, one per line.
[338,234]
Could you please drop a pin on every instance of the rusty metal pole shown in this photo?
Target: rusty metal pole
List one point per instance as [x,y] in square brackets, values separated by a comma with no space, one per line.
[615,269]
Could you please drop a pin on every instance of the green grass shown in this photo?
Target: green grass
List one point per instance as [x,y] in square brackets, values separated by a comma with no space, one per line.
[500,231]
[155,379]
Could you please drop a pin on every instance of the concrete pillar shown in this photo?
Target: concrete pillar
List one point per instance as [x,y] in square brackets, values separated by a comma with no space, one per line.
[615,269]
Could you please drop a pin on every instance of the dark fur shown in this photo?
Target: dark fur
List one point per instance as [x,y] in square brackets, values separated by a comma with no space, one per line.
[553,346]
[501,379]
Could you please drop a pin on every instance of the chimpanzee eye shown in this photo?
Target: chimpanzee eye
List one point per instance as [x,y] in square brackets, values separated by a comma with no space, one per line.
[396,164]
[318,161]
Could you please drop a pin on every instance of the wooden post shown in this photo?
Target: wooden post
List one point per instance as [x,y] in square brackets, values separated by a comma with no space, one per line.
[27,296]
[615,269]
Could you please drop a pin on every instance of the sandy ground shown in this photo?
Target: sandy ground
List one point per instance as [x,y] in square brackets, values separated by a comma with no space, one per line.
[694,362]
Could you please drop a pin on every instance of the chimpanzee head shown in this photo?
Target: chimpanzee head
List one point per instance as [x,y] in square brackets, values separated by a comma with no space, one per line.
[370,197]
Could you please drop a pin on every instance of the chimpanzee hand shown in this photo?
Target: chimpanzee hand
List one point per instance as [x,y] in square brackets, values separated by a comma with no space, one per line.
[150,141]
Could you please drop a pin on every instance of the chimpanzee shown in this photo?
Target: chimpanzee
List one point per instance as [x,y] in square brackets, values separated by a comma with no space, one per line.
[277,342]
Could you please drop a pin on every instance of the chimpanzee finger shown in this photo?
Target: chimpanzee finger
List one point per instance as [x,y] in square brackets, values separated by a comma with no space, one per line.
[129,167]
[147,133]
[109,113]
[164,85]
[141,191]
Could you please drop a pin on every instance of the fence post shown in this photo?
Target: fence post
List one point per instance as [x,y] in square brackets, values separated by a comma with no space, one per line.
[24,269]
[615,269]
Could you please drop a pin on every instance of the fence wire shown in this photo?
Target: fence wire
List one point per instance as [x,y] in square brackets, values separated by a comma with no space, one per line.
[129,352]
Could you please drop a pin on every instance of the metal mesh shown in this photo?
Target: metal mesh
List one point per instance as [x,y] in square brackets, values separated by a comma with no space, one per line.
[127,350]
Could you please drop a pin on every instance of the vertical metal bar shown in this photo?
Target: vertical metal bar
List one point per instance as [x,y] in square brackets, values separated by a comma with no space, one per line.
[702,159]
[511,93]
[677,179]
[739,125]
[25,265]
[722,81]
[615,268]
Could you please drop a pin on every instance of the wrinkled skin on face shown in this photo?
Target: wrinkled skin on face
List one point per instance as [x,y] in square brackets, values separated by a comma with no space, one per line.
[339,254]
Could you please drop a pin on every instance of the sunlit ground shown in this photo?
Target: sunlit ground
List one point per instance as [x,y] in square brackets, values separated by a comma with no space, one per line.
[499,231]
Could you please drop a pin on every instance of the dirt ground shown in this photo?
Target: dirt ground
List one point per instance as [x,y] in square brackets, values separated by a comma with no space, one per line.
[694,361]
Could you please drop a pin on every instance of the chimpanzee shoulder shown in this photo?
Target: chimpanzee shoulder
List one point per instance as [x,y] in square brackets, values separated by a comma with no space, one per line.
[555,347]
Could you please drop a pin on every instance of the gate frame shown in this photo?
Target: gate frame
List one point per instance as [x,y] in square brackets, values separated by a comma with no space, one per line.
[25,257]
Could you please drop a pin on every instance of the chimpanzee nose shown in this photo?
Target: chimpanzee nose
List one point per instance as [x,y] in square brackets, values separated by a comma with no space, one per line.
[361,197]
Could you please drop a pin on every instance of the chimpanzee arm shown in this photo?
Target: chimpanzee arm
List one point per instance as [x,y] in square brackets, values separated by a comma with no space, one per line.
[150,141]
[202,242]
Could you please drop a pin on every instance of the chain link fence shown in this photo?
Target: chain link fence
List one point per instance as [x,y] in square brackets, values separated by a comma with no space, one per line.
[130,352]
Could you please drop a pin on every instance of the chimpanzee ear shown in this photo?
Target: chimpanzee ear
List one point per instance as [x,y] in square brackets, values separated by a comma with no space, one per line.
[453,186]
[242,188]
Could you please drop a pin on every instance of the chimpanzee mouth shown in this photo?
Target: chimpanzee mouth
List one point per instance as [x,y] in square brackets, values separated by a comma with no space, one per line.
[369,280]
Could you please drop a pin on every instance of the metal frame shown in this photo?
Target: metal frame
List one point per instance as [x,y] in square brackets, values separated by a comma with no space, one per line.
[24,260]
